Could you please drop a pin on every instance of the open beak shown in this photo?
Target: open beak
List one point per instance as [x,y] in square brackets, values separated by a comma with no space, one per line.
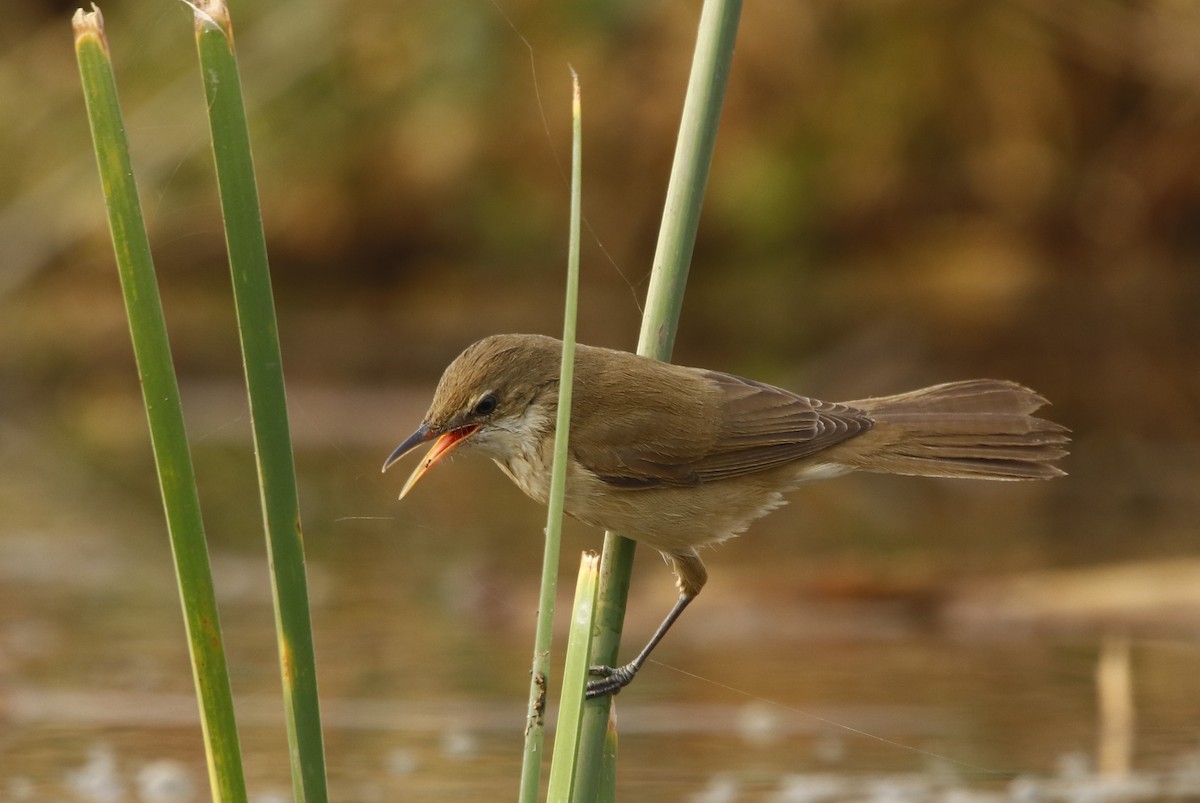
[444,444]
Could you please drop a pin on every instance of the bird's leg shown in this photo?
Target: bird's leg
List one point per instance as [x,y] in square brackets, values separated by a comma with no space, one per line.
[691,576]
[614,678]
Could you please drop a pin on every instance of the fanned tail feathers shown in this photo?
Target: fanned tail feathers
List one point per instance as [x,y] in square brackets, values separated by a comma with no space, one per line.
[980,428]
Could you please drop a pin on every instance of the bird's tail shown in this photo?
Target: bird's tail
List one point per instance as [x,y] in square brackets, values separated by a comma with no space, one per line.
[980,428]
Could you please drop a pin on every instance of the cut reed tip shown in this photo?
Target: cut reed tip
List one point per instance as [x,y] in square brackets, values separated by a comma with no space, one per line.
[89,25]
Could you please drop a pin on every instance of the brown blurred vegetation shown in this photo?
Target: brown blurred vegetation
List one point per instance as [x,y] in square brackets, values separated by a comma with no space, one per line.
[903,192]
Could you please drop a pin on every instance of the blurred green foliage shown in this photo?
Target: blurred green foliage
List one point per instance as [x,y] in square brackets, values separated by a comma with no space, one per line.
[903,192]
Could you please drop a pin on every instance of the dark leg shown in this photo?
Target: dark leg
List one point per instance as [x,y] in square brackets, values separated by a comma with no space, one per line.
[613,679]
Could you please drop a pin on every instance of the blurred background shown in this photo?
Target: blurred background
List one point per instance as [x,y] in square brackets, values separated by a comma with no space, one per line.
[902,193]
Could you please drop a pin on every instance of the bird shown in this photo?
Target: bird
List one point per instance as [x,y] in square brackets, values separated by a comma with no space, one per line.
[680,458]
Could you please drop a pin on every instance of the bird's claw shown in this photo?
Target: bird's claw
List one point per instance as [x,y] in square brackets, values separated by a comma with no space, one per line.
[611,679]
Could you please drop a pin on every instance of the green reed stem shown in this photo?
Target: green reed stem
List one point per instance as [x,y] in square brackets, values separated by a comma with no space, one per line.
[664,299]
[539,682]
[160,393]
[268,404]
[563,767]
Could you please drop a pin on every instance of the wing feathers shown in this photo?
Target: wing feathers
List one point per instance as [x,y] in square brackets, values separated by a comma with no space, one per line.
[753,427]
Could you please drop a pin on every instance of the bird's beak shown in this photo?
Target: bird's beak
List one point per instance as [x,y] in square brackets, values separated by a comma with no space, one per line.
[441,447]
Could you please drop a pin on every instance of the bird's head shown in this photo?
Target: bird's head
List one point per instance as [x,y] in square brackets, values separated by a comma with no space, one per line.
[499,396]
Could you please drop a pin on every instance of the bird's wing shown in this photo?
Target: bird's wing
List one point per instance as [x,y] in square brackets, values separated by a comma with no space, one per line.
[756,427]
[764,427]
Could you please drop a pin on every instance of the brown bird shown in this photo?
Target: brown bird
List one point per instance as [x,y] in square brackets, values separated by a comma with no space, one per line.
[679,458]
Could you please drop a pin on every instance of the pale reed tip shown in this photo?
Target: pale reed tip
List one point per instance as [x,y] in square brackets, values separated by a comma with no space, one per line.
[88,24]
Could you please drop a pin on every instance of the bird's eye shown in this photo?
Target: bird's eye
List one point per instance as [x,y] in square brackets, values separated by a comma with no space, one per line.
[486,405]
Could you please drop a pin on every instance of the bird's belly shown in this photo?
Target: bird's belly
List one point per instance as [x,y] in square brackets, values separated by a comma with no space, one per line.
[670,519]
[673,519]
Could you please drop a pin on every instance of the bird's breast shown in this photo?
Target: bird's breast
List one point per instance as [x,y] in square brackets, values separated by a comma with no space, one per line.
[530,472]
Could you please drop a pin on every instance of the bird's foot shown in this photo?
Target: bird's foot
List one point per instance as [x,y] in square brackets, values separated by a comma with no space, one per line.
[611,679]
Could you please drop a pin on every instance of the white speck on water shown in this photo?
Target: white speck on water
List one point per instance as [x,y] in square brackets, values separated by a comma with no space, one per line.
[165,781]
[459,744]
[98,780]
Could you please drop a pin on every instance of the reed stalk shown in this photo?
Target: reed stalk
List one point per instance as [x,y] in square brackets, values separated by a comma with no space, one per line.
[664,300]
[160,393]
[263,364]
[563,766]
[540,674]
